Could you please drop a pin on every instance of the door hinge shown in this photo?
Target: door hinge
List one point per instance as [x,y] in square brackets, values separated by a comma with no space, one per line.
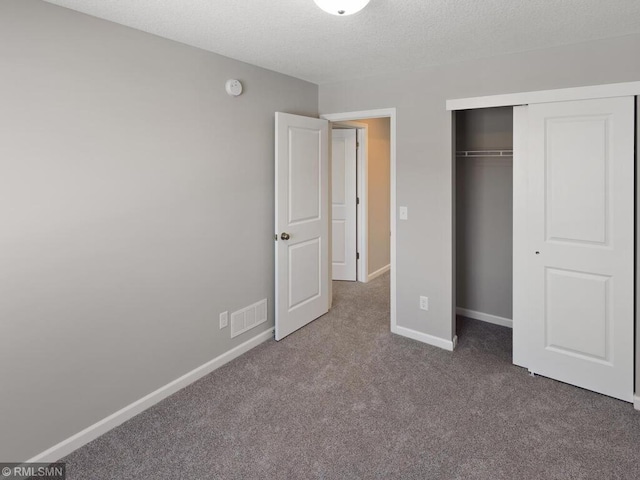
[357,200]
[357,144]
[357,255]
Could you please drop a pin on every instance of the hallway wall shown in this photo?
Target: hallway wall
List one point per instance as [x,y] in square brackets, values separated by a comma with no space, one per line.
[379,193]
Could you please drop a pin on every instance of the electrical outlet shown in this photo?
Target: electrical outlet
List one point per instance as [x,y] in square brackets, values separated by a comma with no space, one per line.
[424,303]
[224,319]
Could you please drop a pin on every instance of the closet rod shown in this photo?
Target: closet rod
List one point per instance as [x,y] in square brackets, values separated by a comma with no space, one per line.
[484,153]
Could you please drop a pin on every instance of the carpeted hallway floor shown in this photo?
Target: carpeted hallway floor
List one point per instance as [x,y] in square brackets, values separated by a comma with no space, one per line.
[344,398]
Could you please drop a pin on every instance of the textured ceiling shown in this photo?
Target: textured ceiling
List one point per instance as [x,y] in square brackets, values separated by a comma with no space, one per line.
[296,38]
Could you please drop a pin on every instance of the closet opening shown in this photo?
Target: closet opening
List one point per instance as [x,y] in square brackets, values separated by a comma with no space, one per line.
[484,224]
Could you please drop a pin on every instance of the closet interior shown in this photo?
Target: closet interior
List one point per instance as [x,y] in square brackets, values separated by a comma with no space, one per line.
[484,214]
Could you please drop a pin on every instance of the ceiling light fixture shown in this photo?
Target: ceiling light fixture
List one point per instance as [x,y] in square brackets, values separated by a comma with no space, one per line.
[341,7]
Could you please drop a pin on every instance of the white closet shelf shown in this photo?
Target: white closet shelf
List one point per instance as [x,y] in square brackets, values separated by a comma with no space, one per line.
[484,153]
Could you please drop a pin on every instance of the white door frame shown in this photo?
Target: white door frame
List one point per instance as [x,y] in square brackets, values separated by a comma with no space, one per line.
[362,174]
[546,96]
[543,96]
[391,114]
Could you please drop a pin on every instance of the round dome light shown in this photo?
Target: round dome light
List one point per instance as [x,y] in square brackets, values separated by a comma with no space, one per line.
[341,7]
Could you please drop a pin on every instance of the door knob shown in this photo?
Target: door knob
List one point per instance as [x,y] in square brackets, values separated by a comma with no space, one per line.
[285,236]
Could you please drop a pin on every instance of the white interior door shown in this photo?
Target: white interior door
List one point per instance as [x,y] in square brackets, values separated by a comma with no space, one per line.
[302,221]
[573,320]
[343,197]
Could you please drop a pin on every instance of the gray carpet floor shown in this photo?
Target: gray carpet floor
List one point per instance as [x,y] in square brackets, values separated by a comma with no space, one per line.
[344,398]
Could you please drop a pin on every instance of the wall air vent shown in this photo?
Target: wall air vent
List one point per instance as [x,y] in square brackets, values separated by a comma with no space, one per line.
[248,317]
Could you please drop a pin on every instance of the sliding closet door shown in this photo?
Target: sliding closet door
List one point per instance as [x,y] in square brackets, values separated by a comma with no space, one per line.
[573,305]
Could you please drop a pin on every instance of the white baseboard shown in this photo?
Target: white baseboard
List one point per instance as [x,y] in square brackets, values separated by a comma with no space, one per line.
[425,338]
[485,317]
[636,402]
[378,272]
[92,432]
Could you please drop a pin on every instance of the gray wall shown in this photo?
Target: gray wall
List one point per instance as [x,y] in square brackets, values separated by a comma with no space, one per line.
[424,164]
[136,204]
[485,129]
[484,212]
[378,191]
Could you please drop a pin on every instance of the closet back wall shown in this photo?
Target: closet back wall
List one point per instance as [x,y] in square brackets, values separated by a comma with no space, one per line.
[484,211]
